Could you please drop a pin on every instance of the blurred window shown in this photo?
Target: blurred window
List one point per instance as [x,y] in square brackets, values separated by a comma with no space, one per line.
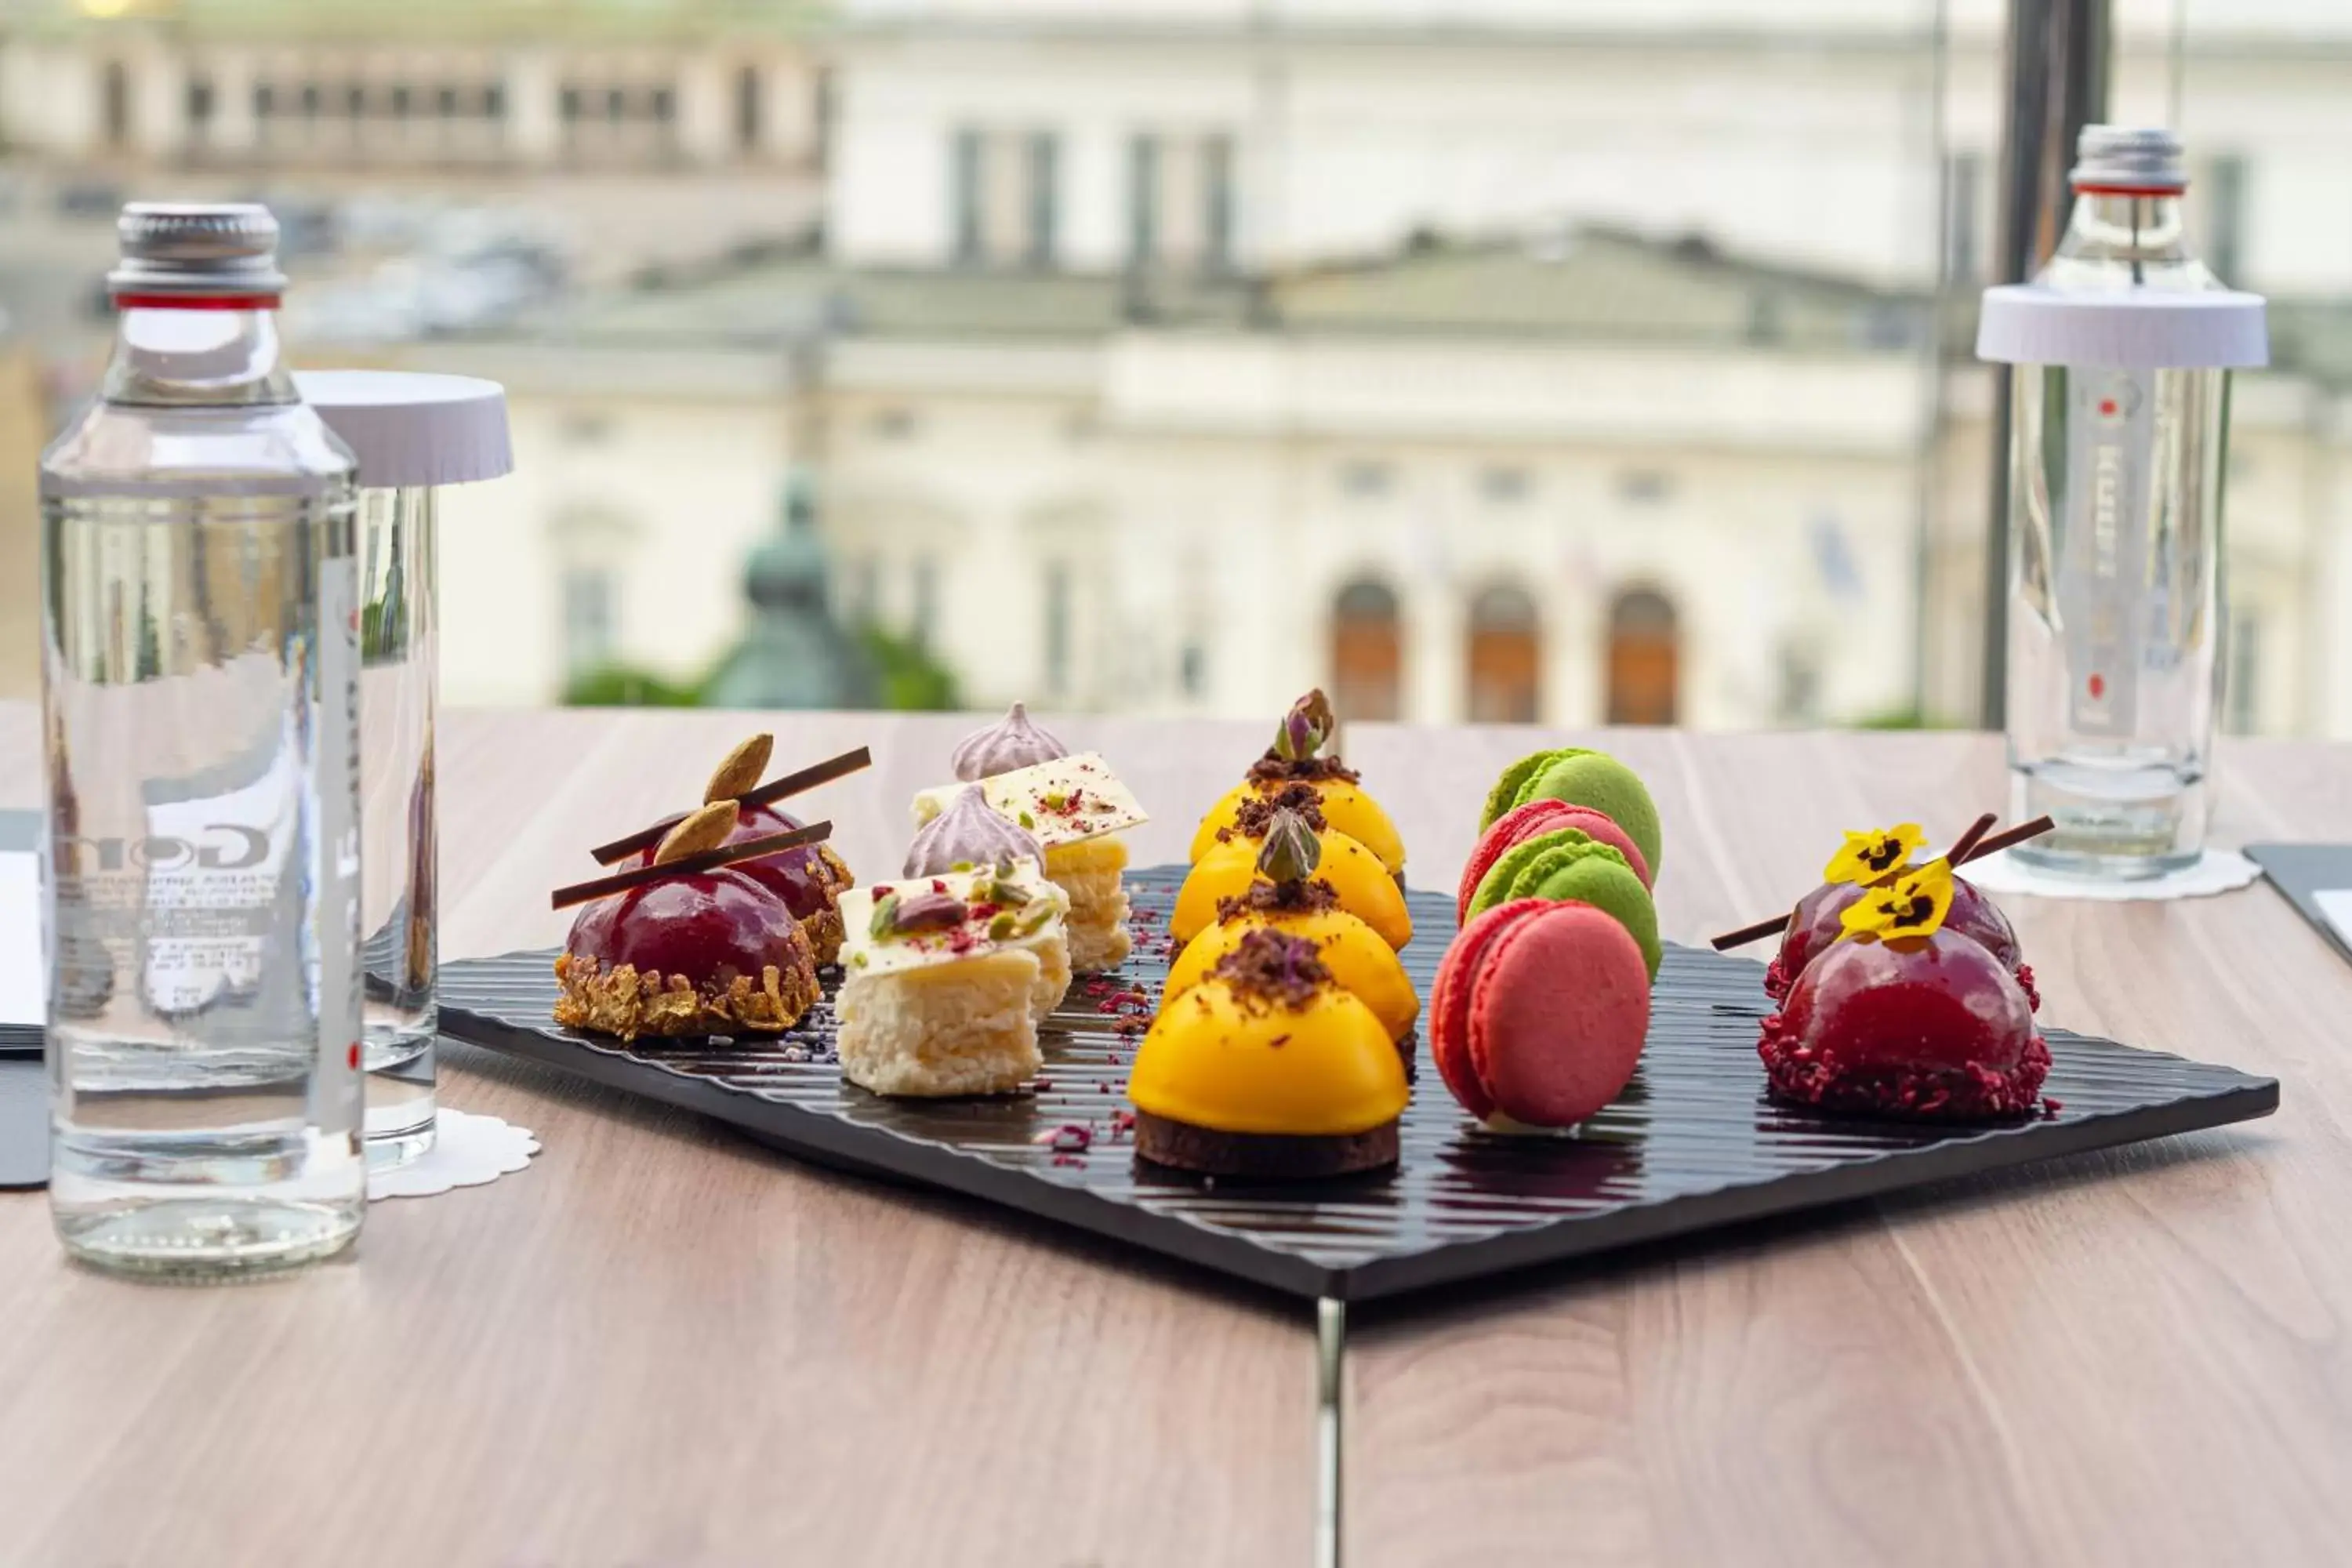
[1506,656]
[400,102]
[1143,199]
[310,98]
[265,101]
[355,101]
[616,104]
[117,107]
[747,108]
[200,103]
[444,103]
[568,103]
[494,100]
[1365,479]
[1045,197]
[964,191]
[1217,199]
[1180,201]
[1005,190]
[1367,651]
[591,618]
[1644,658]
[665,104]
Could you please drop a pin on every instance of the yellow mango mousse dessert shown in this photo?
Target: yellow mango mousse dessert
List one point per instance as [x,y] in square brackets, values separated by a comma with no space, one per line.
[1288,897]
[1360,883]
[1298,757]
[1267,1071]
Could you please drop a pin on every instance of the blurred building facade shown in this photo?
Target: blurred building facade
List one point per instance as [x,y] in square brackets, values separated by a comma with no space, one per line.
[442,84]
[1495,360]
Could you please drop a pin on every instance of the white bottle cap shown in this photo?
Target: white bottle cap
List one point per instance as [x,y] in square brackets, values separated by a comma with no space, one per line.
[409,429]
[2136,329]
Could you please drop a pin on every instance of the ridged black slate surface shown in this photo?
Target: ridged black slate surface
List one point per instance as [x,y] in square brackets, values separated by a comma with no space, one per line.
[1692,1142]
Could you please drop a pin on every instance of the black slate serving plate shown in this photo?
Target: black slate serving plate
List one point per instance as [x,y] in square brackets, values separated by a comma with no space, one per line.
[1691,1143]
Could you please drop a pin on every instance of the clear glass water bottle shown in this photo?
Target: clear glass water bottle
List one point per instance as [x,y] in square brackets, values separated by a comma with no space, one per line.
[2123,347]
[199,677]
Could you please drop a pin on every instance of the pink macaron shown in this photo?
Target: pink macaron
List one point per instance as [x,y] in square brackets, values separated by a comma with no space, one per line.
[1540,1012]
[1525,822]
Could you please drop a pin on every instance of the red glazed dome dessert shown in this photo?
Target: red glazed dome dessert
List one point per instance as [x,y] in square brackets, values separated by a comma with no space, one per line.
[710,952]
[1818,919]
[809,879]
[1927,1027]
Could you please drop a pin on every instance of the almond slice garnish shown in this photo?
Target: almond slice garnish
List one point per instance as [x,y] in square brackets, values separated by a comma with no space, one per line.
[705,829]
[739,775]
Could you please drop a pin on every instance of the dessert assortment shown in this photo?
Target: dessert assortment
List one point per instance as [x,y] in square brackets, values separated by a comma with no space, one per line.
[1074,806]
[1281,1044]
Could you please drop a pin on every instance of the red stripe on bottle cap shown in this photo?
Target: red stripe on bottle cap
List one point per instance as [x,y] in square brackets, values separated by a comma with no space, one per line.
[195,301]
[2131,190]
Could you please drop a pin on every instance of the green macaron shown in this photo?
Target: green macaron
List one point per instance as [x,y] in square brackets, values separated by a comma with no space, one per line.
[1506,793]
[1566,867]
[1586,778]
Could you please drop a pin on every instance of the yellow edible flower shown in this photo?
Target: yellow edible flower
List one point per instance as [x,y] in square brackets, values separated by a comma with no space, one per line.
[1913,905]
[1868,856]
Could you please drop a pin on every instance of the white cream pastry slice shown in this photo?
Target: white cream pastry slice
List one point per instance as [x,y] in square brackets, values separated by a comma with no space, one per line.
[923,921]
[960,1027]
[1064,801]
[1074,806]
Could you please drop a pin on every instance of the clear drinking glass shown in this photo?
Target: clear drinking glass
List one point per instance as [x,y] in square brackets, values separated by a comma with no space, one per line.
[200,685]
[2115,549]
[397,677]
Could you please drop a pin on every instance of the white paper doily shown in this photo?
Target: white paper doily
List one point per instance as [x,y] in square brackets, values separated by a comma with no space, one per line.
[2216,871]
[467,1152]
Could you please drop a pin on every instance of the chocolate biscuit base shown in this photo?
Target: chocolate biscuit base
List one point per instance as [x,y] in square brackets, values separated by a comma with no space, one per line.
[1263,1156]
[621,1000]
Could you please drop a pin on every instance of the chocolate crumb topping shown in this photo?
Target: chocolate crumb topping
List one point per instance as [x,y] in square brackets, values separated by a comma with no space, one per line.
[1279,897]
[1270,767]
[1253,818]
[1274,968]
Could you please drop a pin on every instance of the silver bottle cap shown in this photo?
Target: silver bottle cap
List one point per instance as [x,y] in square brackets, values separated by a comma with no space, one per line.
[2129,159]
[196,248]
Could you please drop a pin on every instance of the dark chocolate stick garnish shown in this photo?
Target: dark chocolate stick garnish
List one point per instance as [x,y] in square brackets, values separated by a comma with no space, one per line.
[686,865]
[768,794]
[1973,846]
[1958,853]
[1746,935]
[2011,839]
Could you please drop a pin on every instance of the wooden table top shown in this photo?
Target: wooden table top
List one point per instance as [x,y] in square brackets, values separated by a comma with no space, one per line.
[662,1344]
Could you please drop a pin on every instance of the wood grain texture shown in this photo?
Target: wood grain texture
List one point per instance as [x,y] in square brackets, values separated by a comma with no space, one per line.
[2131,1357]
[660,1344]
